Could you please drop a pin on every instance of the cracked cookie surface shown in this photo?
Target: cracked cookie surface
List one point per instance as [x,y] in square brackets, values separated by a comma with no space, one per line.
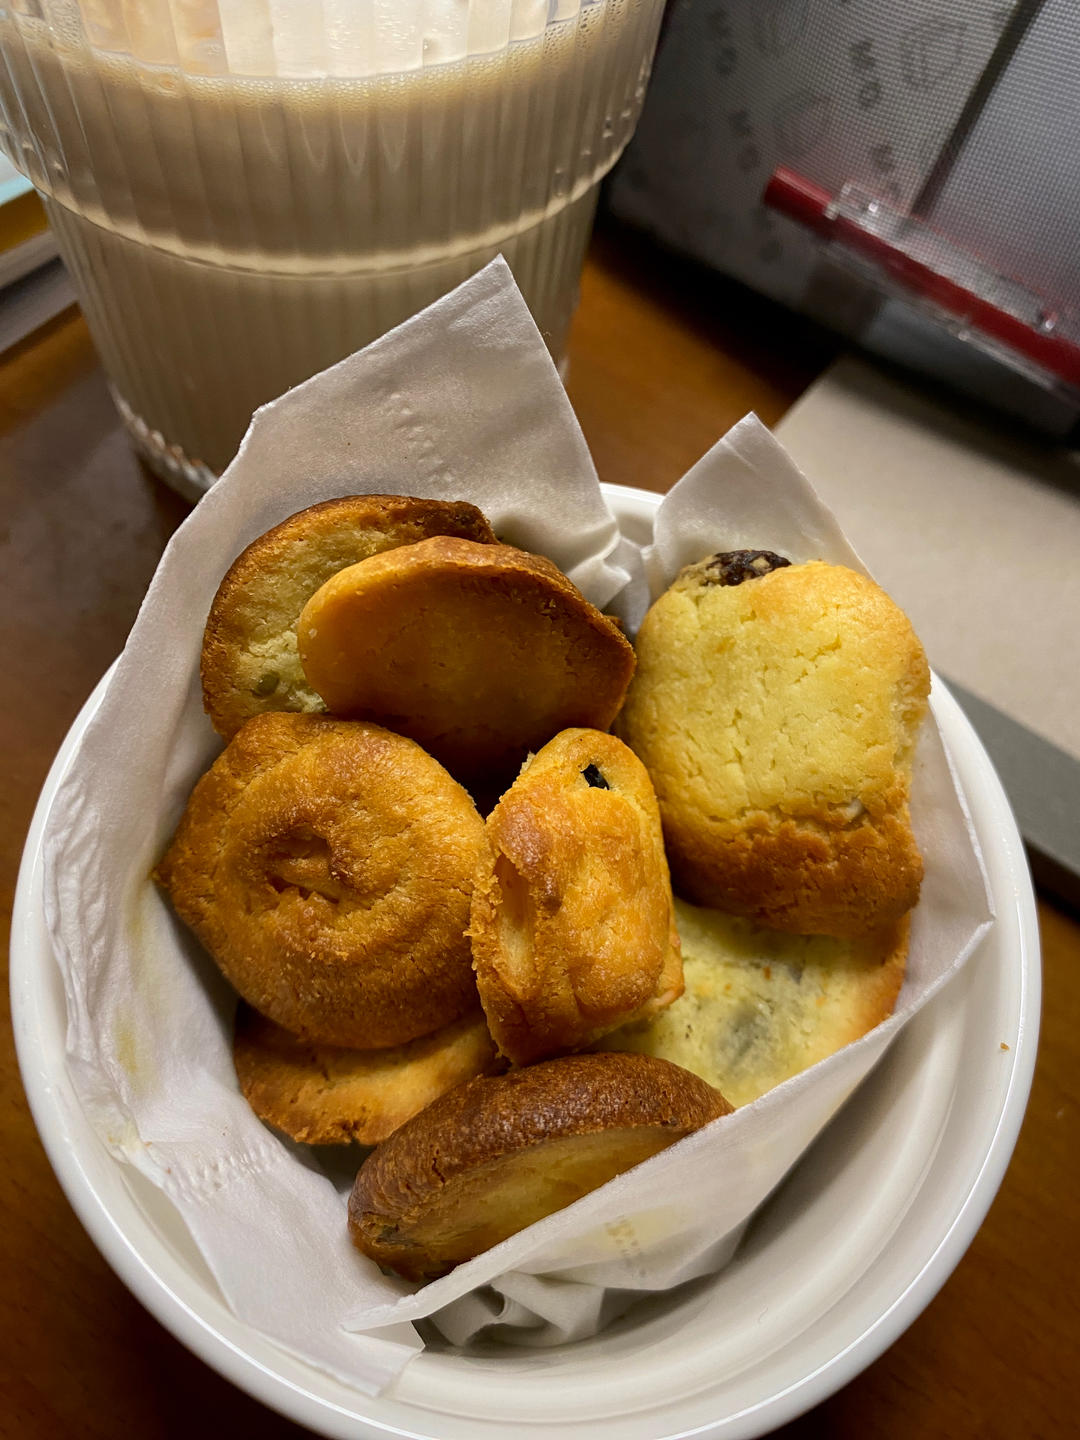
[777,718]
[327,866]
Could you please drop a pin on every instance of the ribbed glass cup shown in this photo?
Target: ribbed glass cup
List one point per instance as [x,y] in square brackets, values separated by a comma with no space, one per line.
[245,191]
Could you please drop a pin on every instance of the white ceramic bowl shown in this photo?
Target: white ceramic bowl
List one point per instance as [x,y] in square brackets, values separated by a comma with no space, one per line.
[838,1263]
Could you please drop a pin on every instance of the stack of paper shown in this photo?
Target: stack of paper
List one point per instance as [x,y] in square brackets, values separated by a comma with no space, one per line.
[33,284]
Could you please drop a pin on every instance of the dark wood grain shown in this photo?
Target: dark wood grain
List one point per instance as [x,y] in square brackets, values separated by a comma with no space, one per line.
[663,360]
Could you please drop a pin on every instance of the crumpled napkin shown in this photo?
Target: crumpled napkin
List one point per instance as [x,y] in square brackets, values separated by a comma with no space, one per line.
[461,402]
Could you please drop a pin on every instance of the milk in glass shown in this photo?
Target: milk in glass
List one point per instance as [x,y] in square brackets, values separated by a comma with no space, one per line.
[245,191]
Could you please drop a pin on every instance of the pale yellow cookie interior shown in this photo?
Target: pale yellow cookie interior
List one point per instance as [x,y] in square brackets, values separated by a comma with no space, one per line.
[766,662]
[777,719]
[760,1006]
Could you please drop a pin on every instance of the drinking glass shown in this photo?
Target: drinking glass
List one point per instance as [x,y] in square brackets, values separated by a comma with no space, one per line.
[245,191]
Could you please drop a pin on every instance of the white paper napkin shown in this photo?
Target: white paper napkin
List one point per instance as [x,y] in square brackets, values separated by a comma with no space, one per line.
[462,402]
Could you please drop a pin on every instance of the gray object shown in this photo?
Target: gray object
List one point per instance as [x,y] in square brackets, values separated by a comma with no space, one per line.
[958,116]
[1043,786]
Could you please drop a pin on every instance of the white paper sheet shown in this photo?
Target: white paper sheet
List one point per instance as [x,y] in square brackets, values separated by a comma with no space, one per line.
[462,402]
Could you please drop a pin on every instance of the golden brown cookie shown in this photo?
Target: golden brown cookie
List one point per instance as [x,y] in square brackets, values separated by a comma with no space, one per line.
[479,652]
[249,659]
[572,929]
[324,1095]
[776,710]
[327,867]
[498,1154]
[761,1005]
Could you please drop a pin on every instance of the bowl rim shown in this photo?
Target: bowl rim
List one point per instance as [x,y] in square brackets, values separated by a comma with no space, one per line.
[65,1139]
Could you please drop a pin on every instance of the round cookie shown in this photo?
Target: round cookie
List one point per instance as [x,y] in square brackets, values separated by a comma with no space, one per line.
[479,652]
[760,1006]
[498,1154]
[249,659]
[776,708]
[323,1095]
[572,929]
[327,867]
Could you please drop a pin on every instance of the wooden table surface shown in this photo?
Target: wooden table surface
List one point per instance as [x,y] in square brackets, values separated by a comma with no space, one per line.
[663,359]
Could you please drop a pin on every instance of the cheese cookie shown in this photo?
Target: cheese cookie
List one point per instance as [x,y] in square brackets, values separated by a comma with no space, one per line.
[249,659]
[760,1006]
[327,867]
[325,1095]
[572,929]
[500,1153]
[479,652]
[776,708]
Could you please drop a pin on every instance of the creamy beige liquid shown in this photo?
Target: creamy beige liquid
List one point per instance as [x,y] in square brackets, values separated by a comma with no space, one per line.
[230,235]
